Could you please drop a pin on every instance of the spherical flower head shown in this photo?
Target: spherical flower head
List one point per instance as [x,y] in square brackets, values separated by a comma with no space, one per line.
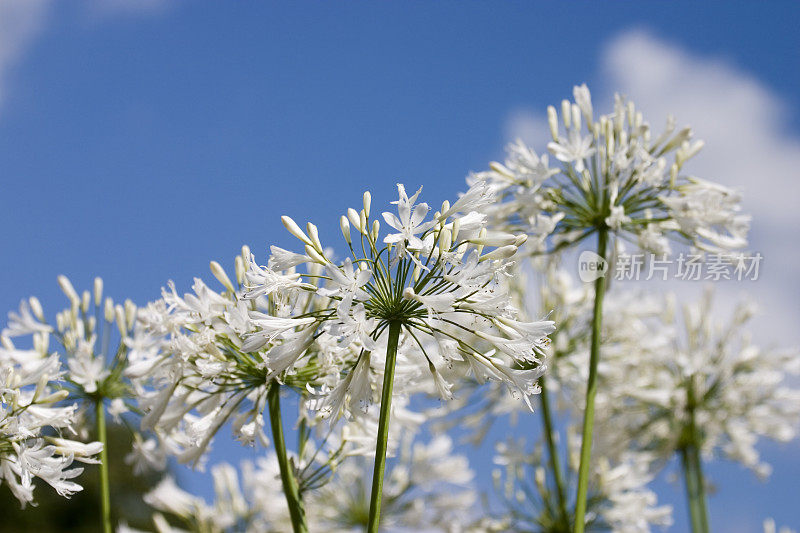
[93,336]
[613,175]
[438,278]
[697,380]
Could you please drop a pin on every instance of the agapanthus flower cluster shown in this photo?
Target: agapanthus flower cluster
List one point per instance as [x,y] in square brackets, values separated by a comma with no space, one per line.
[36,428]
[437,278]
[699,381]
[199,363]
[93,335]
[614,175]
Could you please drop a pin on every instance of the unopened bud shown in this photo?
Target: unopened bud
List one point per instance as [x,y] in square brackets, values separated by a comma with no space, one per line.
[86,299]
[238,267]
[345,226]
[355,219]
[221,276]
[130,313]
[68,289]
[314,234]
[36,308]
[504,252]
[315,255]
[295,230]
[566,115]
[576,117]
[367,202]
[552,121]
[119,314]
[98,291]
[108,312]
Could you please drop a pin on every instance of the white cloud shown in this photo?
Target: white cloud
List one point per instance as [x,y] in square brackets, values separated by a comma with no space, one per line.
[20,22]
[748,146]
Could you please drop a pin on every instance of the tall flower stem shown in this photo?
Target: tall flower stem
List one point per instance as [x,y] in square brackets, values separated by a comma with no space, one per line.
[290,487]
[693,470]
[383,427]
[555,465]
[591,390]
[105,490]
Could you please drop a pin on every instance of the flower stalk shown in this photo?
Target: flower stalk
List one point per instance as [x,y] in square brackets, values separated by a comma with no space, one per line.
[290,487]
[693,471]
[383,427]
[591,389]
[555,465]
[105,489]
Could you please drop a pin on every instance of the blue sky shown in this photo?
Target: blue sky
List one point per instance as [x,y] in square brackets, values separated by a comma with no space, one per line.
[139,140]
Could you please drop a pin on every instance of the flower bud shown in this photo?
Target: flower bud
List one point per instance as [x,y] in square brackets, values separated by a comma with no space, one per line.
[130,313]
[566,115]
[315,255]
[345,226]
[295,230]
[376,228]
[355,219]
[221,276]
[238,267]
[314,234]
[68,289]
[98,291]
[86,299]
[456,227]
[36,308]
[246,254]
[445,240]
[367,202]
[504,252]
[552,121]
[119,314]
[108,312]
[576,117]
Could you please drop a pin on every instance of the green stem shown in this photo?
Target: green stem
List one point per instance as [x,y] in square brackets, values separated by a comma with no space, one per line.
[591,390]
[693,470]
[383,427]
[555,465]
[105,490]
[290,487]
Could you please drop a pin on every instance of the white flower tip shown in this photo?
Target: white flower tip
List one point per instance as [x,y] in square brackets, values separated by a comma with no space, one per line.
[408,293]
[98,291]
[36,307]
[367,202]
[221,276]
[295,230]
[68,289]
[345,227]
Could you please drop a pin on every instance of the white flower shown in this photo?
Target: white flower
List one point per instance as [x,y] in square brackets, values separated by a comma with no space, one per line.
[410,221]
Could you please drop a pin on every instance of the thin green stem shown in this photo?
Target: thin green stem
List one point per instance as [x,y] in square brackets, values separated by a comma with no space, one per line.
[693,469]
[105,490]
[555,465]
[591,390]
[290,486]
[383,427]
